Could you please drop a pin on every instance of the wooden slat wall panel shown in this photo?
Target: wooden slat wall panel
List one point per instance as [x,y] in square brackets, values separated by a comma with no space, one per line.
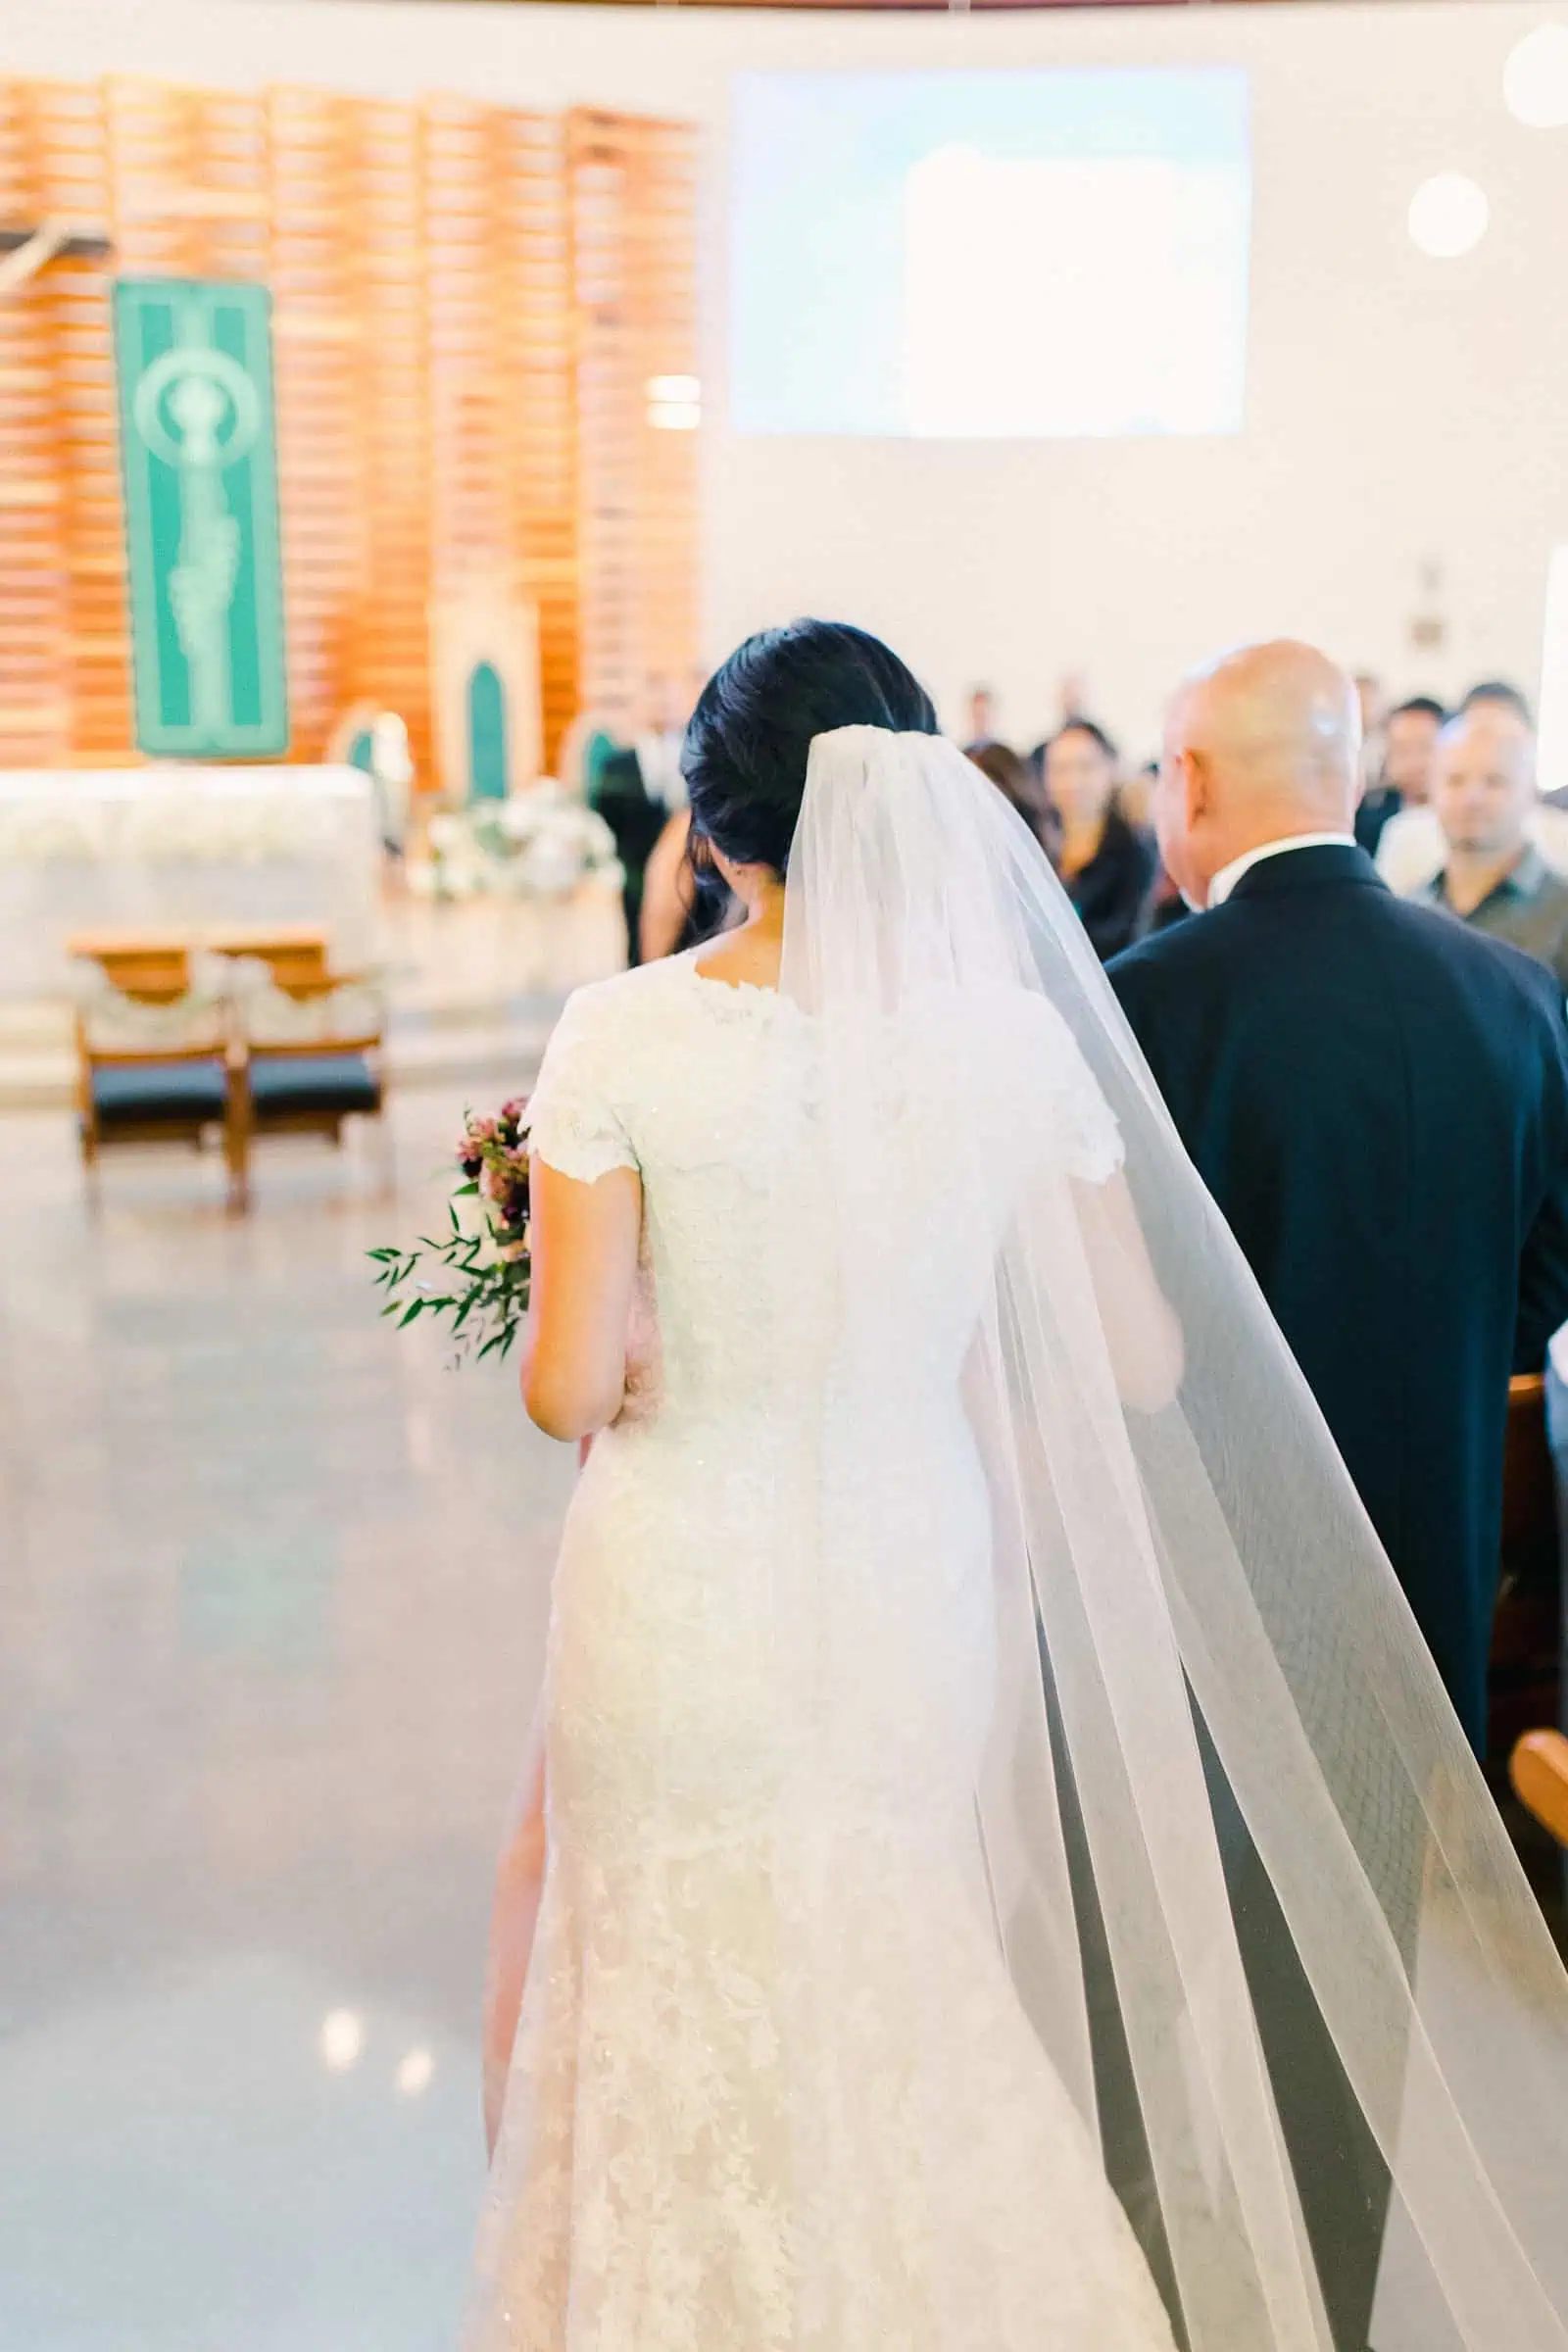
[34,614]
[634,260]
[389,649]
[470,506]
[536,361]
[73,297]
[662,240]
[317,348]
[469,303]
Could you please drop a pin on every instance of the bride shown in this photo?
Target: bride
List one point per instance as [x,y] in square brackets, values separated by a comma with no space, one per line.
[963,1591]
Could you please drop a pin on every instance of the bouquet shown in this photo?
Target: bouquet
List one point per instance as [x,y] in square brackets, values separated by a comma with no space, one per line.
[477,1273]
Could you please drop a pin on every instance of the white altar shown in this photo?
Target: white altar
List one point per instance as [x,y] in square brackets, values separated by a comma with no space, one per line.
[182,848]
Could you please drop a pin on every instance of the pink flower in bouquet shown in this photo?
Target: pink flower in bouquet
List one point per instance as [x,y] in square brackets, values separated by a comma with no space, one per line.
[484,1289]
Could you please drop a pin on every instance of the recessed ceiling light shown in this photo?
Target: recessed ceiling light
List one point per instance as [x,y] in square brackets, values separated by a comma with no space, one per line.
[415,2072]
[342,2039]
[1535,79]
[1448,216]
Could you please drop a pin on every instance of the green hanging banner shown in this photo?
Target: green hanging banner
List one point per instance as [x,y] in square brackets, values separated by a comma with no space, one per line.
[199,455]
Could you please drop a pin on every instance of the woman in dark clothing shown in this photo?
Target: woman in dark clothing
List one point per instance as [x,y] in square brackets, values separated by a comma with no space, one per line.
[1018,783]
[1108,865]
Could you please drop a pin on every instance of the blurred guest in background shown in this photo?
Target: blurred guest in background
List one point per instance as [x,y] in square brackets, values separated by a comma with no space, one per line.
[1166,905]
[685,900]
[1495,878]
[1373,704]
[1017,782]
[1108,865]
[1134,796]
[982,722]
[1501,696]
[1409,750]
[1411,851]
[1072,700]
[637,789]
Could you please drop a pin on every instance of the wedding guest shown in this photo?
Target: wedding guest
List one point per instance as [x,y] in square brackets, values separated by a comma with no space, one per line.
[684,902]
[1495,878]
[1017,782]
[1378,1101]
[1501,696]
[1373,703]
[637,788]
[1135,797]
[1411,851]
[1166,905]
[982,724]
[1405,780]
[1072,700]
[1108,865]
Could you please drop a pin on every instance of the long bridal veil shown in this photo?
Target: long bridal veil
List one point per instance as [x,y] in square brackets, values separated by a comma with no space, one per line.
[1206,1666]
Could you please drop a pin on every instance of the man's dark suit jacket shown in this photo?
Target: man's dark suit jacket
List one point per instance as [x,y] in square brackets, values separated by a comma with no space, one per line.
[636,820]
[1378,1100]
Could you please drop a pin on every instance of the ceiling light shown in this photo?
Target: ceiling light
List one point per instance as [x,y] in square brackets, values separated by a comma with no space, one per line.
[1448,216]
[1535,79]
[342,2039]
[413,2074]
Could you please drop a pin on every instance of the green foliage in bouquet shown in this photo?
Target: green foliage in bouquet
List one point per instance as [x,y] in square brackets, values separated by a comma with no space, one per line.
[477,1273]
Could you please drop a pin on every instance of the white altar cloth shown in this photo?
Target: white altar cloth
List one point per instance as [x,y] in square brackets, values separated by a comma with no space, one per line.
[181,848]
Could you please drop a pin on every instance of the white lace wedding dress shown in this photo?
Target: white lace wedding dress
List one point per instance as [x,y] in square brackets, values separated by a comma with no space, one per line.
[772,2088]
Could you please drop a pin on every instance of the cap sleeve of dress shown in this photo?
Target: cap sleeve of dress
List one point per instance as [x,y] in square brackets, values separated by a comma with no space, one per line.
[1082,1135]
[1091,1134]
[577,1121]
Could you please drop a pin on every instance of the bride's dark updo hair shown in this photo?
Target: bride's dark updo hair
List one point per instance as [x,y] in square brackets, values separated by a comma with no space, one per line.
[746,748]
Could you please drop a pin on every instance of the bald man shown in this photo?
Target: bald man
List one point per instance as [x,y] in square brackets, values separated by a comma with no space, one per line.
[1493,877]
[1378,1100]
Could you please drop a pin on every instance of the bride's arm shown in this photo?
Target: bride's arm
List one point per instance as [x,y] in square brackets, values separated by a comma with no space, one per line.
[1142,1333]
[583,1245]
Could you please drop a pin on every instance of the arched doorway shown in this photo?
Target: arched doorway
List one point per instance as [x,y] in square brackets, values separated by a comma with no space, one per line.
[487,734]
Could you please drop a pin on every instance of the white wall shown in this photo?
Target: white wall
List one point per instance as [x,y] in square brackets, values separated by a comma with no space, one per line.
[1400,410]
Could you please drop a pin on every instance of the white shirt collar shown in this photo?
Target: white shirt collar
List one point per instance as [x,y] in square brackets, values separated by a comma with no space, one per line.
[658,757]
[1225,881]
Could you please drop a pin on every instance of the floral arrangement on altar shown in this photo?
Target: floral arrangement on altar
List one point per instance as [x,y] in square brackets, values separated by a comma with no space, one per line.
[209,817]
[539,844]
[478,1272]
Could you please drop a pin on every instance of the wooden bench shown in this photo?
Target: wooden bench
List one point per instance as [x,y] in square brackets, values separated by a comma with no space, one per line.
[153,1088]
[303,1083]
[226,1079]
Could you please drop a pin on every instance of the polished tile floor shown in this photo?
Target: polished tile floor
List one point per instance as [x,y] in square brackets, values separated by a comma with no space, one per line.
[272,1584]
